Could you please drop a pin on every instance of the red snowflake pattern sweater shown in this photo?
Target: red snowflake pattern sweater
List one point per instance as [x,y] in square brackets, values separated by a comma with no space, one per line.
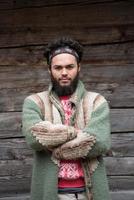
[71,173]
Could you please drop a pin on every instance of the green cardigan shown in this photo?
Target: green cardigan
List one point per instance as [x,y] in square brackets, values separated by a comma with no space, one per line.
[45,172]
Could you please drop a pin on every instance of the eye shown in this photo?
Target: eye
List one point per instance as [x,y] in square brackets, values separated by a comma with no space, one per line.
[70,67]
[57,67]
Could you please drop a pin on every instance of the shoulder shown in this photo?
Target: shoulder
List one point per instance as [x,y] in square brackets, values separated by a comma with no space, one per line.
[96,99]
[37,98]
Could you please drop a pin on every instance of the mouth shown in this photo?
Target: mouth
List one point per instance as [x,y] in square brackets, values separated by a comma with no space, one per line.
[65,80]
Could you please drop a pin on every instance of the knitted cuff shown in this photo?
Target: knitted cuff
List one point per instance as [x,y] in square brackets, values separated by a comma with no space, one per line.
[49,134]
[72,133]
[75,148]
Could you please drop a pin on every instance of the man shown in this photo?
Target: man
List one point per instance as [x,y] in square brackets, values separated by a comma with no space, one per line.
[68,129]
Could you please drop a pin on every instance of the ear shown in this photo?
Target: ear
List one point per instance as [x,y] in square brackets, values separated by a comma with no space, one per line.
[79,67]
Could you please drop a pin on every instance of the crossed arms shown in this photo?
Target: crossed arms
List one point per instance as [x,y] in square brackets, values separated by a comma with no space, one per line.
[66,142]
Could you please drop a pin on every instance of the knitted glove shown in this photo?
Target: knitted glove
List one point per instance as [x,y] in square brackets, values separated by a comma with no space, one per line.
[76,148]
[51,135]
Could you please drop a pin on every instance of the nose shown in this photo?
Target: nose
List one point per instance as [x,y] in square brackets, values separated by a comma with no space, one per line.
[64,72]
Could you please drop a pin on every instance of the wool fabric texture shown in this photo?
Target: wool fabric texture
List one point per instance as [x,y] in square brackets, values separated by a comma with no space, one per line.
[45,171]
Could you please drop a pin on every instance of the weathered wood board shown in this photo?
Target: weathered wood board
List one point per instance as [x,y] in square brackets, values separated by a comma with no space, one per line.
[37,25]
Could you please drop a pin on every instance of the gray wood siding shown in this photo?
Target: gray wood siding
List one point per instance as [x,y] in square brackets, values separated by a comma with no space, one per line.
[106,29]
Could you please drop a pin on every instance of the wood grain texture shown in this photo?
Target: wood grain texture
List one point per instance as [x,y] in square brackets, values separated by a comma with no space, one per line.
[22,168]
[122,145]
[120,166]
[27,36]
[122,195]
[16,197]
[25,26]
[14,184]
[14,149]
[6,5]
[122,119]
[10,123]
[121,183]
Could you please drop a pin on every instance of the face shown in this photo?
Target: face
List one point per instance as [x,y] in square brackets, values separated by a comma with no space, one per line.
[64,72]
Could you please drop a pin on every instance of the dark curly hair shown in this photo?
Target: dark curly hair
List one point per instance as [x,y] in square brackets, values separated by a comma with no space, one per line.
[61,42]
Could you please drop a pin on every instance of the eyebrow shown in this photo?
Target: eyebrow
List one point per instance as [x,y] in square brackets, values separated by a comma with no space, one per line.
[63,65]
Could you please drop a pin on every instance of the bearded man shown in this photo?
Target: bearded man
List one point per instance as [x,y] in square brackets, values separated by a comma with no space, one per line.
[68,129]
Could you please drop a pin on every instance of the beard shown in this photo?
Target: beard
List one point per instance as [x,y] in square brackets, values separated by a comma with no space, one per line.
[67,89]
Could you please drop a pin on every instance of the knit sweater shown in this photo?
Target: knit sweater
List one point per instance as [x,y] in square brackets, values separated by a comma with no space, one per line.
[45,171]
[70,172]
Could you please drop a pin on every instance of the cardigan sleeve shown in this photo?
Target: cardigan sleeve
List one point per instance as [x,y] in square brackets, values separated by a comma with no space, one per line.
[39,134]
[31,115]
[99,126]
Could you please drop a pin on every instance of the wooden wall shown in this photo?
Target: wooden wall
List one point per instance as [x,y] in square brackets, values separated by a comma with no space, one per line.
[106,29]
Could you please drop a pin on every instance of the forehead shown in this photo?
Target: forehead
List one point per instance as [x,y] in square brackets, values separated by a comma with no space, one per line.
[63,59]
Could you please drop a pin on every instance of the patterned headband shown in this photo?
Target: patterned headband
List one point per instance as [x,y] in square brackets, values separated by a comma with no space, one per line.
[63,50]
